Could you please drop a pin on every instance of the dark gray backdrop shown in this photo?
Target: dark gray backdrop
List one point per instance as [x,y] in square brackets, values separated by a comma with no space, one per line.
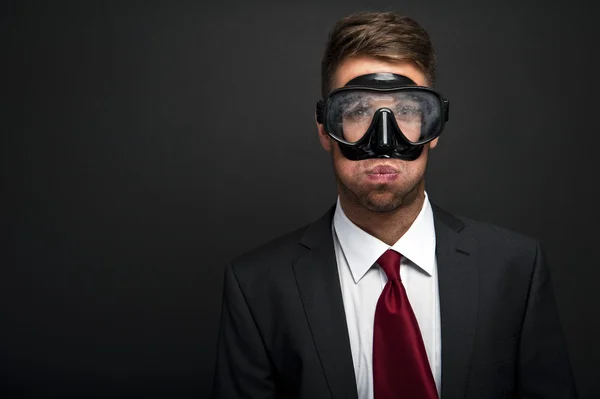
[144,144]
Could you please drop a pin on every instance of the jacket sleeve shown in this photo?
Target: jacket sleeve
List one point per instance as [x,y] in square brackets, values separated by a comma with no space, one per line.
[243,368]
[544,370]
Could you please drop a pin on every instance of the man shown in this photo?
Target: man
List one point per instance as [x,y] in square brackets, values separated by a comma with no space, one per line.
[387,295]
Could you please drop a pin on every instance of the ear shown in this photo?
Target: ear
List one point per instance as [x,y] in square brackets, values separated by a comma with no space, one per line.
[323,136]
[433,143]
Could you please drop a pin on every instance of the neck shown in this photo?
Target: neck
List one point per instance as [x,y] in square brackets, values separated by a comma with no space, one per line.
[390,226]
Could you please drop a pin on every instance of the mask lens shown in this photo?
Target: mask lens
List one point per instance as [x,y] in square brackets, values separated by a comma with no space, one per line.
[417,113]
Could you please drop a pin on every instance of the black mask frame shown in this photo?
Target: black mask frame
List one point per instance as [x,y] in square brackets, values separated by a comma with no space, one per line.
[383,138]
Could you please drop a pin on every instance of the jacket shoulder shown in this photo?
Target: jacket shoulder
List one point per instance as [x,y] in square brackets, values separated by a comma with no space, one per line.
[271,254]
[492,232]
[490,236]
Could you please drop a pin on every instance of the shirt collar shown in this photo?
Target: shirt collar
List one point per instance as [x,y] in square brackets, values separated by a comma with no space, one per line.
[362,249]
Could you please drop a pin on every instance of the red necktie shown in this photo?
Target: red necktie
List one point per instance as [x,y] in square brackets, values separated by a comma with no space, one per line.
[400,365]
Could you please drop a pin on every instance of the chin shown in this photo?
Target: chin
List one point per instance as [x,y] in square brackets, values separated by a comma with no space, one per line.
[381,208]
[381,203]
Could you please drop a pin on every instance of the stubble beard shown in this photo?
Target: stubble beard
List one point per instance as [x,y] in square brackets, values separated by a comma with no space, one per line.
[381,199]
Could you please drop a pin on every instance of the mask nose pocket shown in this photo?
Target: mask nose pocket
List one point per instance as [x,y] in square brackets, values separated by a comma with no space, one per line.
[384,136]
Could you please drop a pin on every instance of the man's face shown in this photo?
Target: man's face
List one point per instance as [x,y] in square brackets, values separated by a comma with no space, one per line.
[379,185]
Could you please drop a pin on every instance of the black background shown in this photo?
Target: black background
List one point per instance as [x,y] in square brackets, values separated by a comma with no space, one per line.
[144,144]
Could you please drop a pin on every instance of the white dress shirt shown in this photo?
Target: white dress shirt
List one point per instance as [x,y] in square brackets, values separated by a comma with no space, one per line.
[362,281]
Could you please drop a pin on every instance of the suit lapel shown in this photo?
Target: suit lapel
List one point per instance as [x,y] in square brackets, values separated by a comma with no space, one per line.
[320,291]
[459,300]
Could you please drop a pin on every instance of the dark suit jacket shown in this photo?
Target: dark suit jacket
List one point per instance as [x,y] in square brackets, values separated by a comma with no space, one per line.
[283,329]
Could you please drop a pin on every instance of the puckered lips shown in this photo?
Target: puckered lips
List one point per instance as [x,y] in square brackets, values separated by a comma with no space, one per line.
[382,174]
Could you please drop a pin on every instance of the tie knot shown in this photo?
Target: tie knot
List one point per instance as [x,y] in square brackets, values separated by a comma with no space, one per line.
[390,263]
